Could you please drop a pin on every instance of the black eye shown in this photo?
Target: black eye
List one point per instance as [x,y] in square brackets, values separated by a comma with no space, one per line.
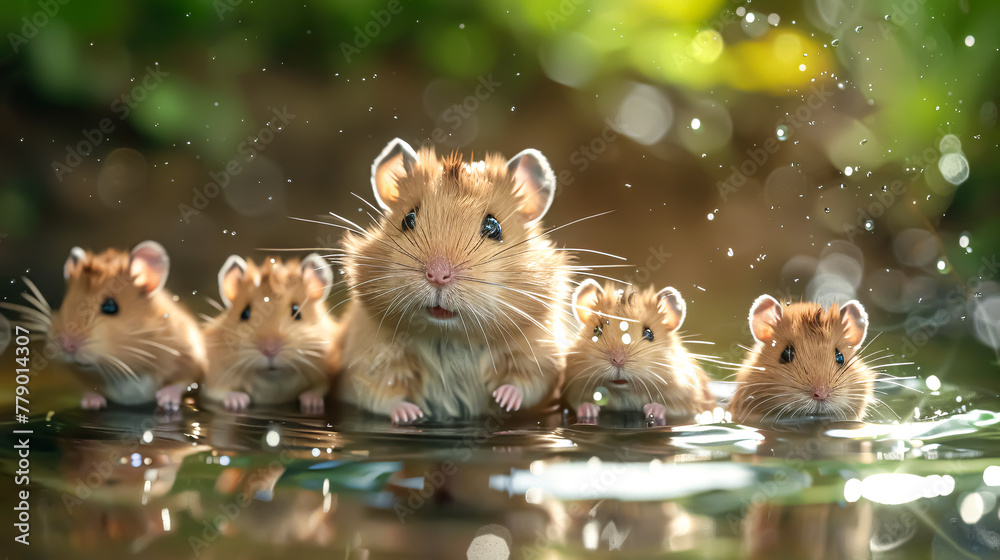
[839,357]
[788,354]
[410,220]
[598,331]
[295,312]
[109,307]
[647,333]
[245,315]
[491,228]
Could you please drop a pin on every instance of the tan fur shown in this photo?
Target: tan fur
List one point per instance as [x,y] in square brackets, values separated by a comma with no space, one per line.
[506,295]
[786,390]
[309,356]
[136,336]
[658,371]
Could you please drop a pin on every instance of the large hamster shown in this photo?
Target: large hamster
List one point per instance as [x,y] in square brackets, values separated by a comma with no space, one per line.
[124,334]
[273,343]
[456,290]
[806,362]
[629,345]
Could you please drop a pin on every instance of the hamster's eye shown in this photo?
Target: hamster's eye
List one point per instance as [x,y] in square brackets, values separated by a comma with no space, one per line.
[245,315]
[410,220]
[491,228]
[109,307]
[295,312]
[839,357]
[788,354]
[598,331]
[647,333]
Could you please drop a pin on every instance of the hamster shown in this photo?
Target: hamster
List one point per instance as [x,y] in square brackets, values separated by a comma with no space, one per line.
[122,332]
[806,362]
[456,291]
[629,345]
[273,342]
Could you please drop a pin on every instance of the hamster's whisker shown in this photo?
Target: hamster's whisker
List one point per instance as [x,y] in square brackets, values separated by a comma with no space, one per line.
[44,304]
[486,339]
[138,352]
[159,345]
[528,342]
[27,311]
[125,367]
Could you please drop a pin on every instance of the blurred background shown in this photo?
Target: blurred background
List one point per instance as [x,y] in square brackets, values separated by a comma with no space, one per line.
[817,149]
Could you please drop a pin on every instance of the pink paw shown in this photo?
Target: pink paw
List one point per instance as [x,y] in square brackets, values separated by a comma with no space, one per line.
[311,402]
[169,397]
[587,413]
[405,412]
[93,401]
[655,411]
[236,400]
[508,397]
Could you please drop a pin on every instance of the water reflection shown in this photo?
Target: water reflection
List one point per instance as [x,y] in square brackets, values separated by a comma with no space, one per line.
[274,483]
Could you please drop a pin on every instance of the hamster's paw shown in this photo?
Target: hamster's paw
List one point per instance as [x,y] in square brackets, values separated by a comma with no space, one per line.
[93,401]
[656,411]
[508,397]
[587,413]
[236,400]
[405,412]
[311,402]
[169,397]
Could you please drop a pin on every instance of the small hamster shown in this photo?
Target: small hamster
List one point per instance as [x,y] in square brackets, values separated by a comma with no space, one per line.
[273,342]
[629,345]
[806,362]
[123,333]
[456,291]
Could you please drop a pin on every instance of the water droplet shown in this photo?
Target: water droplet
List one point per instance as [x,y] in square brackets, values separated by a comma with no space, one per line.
[848,170]
[730,252]
[827,210]
[869,225]
[834,42]
[782,132]
[858,28]
[863,142]
[711,217]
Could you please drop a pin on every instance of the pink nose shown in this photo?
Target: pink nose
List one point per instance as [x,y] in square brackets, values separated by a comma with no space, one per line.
[439,271]
[821,393]
[70,343]
[269,347]
[617,356]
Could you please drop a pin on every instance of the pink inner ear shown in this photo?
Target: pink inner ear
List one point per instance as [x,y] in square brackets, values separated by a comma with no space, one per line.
[148,271]
[230,282]
[765,317]
[387,177]
[523,189]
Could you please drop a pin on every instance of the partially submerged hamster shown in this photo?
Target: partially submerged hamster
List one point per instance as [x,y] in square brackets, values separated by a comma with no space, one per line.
[806,362]
[629,346]
[273,343]
[456,290]
[127,339]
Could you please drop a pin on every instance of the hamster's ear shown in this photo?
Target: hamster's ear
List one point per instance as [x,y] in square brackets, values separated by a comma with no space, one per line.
[318,276]
[671,307]
[764,316]
[149,266]
[396,161]
[76,255]
[534,183]
[855,320]
[229,278]
[585,299]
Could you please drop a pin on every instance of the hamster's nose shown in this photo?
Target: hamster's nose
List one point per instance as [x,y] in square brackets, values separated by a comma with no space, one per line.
[821,392]
[269,347]
[617,356]
[439,271]
[70,343]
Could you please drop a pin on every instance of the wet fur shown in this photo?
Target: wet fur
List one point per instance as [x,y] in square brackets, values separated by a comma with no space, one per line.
[308,357]
[152,342]
[770,389]
[506,296]
[658,371]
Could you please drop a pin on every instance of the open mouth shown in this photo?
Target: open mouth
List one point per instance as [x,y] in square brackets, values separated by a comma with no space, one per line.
[439,312]
[618,382]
